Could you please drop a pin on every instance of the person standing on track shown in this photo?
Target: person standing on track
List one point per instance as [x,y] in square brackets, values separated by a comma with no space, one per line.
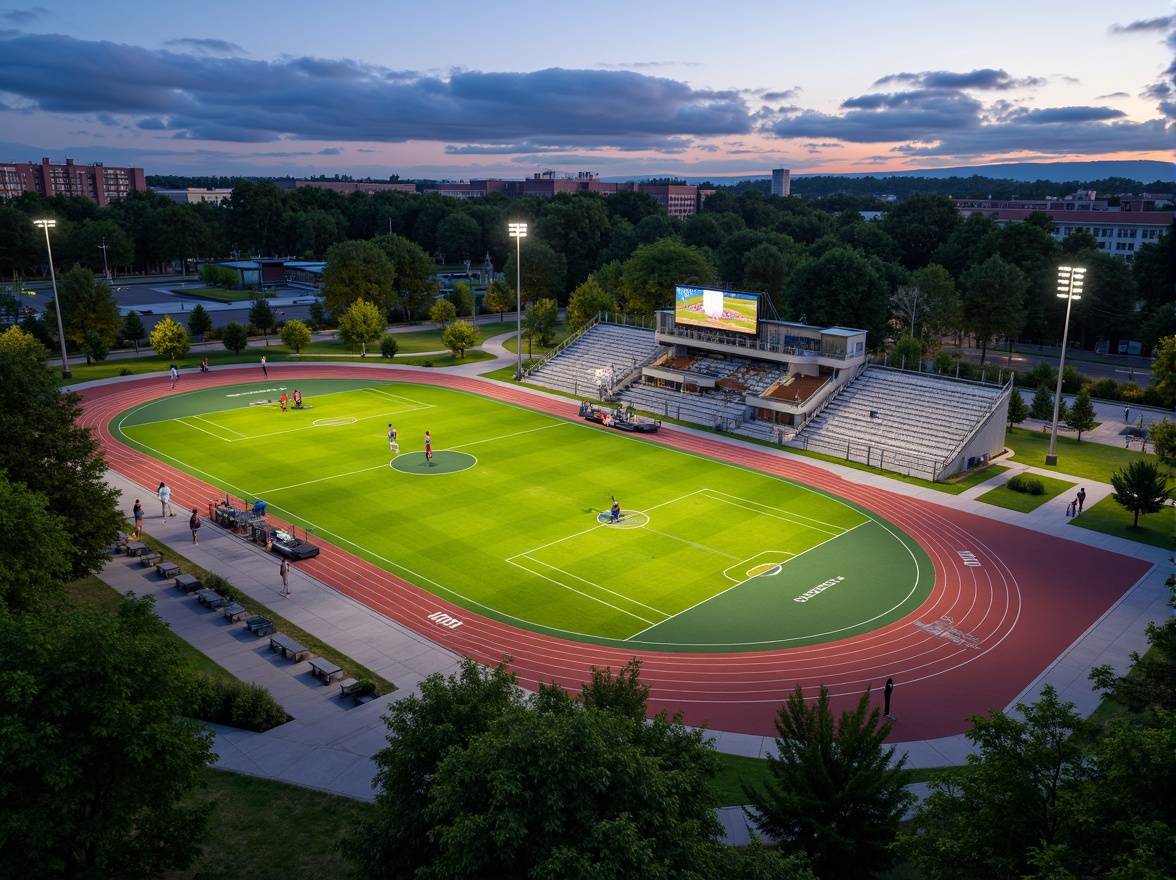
[175,375]
[886,698]
[429,448]
[264,371]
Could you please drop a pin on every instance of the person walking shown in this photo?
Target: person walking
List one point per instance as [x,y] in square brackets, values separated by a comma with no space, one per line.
[284,400]
[284,570]
[164,494]
[175,375]
[137,512]
[1081,499]
[886,692]
[194,525]
[264,370]
[393,446]
[1126,415]
[429,448]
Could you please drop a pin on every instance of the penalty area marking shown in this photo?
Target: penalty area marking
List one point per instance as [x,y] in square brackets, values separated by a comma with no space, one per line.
[630,519]
[332,423]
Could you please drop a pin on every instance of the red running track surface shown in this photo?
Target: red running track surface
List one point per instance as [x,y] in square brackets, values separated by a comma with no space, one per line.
[1021,598]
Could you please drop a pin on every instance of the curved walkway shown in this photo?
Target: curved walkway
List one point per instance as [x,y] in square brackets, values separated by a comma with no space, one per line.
[377,620]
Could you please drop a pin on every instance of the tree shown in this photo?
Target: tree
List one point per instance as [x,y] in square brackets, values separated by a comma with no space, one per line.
[1141,487]
[937,290]
[422,730]
[1018,411]
[1080,415]
[586,302]
[97,759]
[1151,684]
[87,306]
[1163,372]
[218,276]
[199,321]
[96,346]
[415,286]
[234,337]
[649,276]
[500,298]
[169,340]
[841,287]
[261,316]
[35,567]
[460,336]
[133,330]
[544,271]
[358,270]
[442,312]
[1163,437]
[994,293]
[459,235]
[1041,406]
[363,322]
[20,343]
[295,335]
[834,789]
[907,354]
[539,322]
[463,299]
[983,820]
[919,225]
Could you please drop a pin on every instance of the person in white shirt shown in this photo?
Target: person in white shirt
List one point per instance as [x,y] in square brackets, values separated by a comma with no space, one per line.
[165,500]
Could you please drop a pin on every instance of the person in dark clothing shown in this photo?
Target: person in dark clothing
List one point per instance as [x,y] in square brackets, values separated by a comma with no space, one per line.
[886,698]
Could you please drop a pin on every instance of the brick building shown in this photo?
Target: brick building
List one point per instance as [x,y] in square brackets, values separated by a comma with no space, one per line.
[104,184]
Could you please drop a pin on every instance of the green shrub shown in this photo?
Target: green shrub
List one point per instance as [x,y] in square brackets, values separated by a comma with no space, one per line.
[1104,389]
[220,585]
[364,686]
[235,703]
[389,346]
[1131,392]
[1026,484]
[125,371]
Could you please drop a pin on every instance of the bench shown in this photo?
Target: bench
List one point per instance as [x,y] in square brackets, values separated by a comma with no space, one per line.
[347,688]
[167,569]
[347,685]
[187,583]
[149,559]
[324,669]
[136,548]
[233,611]
[211,598]
[287,646]
[259,626]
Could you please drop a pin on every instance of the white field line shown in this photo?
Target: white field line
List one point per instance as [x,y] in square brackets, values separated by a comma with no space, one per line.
[578,592]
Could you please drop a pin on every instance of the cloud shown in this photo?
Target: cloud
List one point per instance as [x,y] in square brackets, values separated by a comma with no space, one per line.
[207,46]
[986,79]
[202,97]
[24,17]
[1143,26]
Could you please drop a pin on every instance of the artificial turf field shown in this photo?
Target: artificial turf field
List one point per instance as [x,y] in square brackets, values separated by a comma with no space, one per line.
[506,521]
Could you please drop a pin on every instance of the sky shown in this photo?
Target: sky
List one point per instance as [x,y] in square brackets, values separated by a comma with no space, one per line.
[459,90]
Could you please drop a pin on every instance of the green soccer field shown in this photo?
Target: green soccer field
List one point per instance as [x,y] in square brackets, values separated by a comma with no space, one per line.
[509,518]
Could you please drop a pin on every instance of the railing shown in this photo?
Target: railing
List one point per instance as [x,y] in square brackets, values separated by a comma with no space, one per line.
[752,343]
[568,341]
[881,457]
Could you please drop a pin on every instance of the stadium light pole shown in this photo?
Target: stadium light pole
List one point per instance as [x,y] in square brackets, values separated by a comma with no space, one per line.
[518,231]
[1069,288]
[47,225]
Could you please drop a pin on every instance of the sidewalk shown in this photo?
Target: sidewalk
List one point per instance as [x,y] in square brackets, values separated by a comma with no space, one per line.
[329,743]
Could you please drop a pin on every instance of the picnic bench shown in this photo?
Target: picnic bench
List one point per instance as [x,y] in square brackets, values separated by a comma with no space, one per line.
[324,669]
[211,598]
[347,688]
[283,644]
[233,611]
[149,559]
[187,583]
[259,626]
[136,548]
[167,569]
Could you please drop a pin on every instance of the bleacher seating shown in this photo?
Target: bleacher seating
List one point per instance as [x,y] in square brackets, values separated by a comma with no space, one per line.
[900,413]
[601,347]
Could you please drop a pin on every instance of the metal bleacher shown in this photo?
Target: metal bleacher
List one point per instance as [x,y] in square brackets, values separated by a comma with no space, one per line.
[604,349]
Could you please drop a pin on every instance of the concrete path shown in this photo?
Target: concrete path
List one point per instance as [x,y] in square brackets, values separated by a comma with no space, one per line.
[329,743]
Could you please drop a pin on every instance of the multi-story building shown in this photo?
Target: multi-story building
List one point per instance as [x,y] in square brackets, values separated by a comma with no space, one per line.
[99,182]
[781,182]
[195,195]
[346,186]
[679,201]
[1119,230]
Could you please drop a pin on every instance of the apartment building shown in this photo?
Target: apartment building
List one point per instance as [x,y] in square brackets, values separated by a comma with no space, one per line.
[102,183]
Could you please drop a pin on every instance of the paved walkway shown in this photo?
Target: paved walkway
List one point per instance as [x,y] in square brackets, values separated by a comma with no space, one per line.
[329,743]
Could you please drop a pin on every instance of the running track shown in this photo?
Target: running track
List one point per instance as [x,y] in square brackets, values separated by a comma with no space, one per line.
[1023,596]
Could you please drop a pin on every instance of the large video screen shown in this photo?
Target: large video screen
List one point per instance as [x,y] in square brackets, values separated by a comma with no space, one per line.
[716,309]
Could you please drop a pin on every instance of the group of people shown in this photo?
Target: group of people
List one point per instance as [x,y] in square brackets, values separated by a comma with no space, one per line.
[394,446]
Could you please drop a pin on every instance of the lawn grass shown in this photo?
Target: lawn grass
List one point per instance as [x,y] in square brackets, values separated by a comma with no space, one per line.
[96,593]
[262,829]
[1023,502]
[220,294]
[506,529]
[1085,460]
[1109,518]
[351,668]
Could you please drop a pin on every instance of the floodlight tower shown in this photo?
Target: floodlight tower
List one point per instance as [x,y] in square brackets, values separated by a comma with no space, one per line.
[518,231]
[1069,288]
[47,225]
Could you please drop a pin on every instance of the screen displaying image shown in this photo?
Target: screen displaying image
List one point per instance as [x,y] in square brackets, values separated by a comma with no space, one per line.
[716,309]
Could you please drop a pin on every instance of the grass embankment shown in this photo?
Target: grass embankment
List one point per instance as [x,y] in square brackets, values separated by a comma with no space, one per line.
[220,294]
[1096,462]
[1023,502]
[351,668]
